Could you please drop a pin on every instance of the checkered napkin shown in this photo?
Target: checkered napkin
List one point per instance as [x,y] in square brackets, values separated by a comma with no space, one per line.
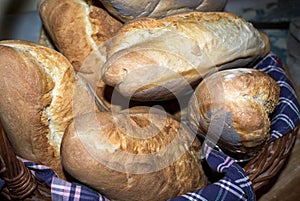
[234,186]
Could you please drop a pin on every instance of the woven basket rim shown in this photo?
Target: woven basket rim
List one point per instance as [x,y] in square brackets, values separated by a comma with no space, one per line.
[271,159]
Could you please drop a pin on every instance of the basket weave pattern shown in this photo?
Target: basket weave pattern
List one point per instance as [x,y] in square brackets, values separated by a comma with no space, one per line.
[263,167]
[20,183]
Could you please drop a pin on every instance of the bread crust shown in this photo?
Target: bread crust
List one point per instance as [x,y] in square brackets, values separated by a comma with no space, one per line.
[154,59]
[121,157]
[77,27]
[245,98]
[126,10]
[38,92]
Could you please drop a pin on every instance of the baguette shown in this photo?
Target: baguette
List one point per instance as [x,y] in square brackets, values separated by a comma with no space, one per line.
[78,28]
[159,59]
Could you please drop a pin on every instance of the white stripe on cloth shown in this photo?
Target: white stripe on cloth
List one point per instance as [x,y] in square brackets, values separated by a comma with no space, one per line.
[65,190]
[238,189]
[33,165]
[276,134]
[227,163]
[230,187]
[243,182]
[190,196]
[285,118]
[290,103]
[101,198]
[287,86]
[270,68]
[62,190]
[77,193]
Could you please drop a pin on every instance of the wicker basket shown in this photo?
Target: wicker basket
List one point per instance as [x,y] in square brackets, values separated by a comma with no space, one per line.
[265,166]
[22,185]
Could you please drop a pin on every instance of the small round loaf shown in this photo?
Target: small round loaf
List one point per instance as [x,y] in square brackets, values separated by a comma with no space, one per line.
[40,94]
[138,154]
[232,107]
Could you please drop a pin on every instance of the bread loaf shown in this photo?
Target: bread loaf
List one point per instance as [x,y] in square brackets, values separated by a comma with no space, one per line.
[40,94]
[137,154]
[157,59]
[126,10]
[78,29]
[234,107]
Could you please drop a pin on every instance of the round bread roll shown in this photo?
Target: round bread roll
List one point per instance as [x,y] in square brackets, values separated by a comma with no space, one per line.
[40,94]
[138,154]
[232,108]
[159,59]
[126,10]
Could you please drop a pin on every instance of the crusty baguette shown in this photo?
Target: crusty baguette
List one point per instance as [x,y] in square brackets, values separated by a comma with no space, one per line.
[157,59]
[78,29]
[126,10]
[235,106]
[40,94]
[137,154]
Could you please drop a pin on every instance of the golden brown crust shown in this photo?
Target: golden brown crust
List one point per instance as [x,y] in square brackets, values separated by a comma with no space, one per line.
[38,89]
[127,10]
[245,98]
[58,19]
[196,18]
[120,156]
[176,20]
[77,27]
[32,103]
[178,50]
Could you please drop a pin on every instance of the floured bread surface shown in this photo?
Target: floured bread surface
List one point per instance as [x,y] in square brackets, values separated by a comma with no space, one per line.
[37,92]
[77,27]
[126,10]
[161,58]
[238,102]
[124,155]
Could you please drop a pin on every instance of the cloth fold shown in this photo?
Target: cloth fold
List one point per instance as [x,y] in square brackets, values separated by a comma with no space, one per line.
[235,186]
[286,115]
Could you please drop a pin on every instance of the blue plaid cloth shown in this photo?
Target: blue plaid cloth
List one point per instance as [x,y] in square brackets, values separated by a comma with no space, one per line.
[286,115]
[233,187]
